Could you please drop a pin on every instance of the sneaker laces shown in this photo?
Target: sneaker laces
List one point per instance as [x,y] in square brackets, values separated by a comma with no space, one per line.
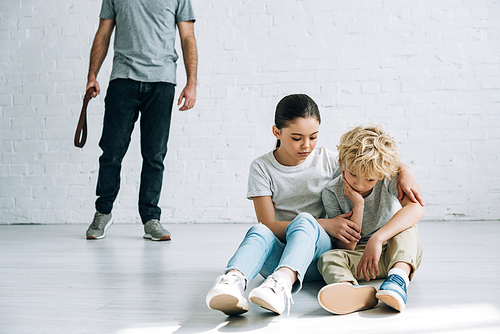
[97,220]
[278,283]
[231,279]
[228,279]
[398,280]
[156,225]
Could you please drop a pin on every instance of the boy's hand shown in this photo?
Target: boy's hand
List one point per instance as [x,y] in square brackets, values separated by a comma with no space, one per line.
[368,266]
[355,197]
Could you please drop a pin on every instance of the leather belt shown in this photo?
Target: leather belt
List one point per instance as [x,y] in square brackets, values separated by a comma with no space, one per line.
[81,128]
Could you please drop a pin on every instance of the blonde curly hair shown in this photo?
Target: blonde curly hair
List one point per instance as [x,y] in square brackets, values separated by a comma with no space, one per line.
[368,151]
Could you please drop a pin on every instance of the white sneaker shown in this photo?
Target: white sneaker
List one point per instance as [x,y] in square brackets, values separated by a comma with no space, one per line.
[227,294]
[274,293]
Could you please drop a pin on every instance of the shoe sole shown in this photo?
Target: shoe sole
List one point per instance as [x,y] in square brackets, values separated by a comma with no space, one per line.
[227,304]
[343,298]
[391,299]
[91,237]
[166,237]
[264,304]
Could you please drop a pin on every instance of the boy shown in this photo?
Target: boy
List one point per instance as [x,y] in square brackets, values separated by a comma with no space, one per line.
[389,245]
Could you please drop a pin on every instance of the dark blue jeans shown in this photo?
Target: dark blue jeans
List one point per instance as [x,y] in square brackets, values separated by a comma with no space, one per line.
[124,100]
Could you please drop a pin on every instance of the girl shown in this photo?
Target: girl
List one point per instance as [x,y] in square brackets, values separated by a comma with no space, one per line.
[285,186]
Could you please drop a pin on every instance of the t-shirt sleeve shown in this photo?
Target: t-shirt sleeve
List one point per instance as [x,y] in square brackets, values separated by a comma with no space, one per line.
[330,202]
[334,163]
[259,182]
[392,186]
[108,10]
[184,11]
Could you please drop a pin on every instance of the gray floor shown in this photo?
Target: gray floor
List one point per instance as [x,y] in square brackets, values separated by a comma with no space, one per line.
[55,281]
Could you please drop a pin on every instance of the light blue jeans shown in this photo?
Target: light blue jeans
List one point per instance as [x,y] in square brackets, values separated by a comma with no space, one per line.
[262,252]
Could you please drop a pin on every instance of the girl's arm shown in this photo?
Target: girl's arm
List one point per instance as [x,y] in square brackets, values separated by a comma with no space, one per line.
[407,184]
[264,210]
[406,217]
[338,225]
[341,228]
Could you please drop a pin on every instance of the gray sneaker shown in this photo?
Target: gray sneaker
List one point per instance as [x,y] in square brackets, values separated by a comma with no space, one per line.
[99,226]
[154,231]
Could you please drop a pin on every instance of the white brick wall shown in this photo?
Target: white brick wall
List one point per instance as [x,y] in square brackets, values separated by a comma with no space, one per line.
[427,70]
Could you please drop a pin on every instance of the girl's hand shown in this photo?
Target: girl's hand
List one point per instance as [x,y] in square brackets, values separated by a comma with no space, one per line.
[341,228]
[407,184]
[355,197]
[368,266]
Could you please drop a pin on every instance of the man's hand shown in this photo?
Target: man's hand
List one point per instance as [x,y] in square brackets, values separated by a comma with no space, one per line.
[189,96]
[342,228]
[95,84]
[368,266]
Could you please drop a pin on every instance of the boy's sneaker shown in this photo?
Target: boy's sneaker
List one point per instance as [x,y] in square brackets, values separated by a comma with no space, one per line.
[154,231]
[393,292]
[227,294]
[341,298]
[274,293]
[99,226]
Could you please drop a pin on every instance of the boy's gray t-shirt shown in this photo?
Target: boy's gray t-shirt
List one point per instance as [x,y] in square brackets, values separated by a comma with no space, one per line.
[145,37]
[293,189]
[380,206]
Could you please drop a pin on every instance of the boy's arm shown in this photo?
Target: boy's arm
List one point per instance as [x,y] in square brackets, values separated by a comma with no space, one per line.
[358,203]
[406,217]
[407,184]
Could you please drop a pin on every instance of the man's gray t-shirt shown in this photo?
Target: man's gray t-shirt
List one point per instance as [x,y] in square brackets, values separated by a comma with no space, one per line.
[380,206]
[145,37]
[293,189]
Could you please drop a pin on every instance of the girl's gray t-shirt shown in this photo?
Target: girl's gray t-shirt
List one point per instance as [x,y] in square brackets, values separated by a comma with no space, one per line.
[145,34]
[293,189]
[380,206]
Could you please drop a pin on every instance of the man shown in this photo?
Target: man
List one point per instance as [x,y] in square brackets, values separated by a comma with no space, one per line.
[142,81]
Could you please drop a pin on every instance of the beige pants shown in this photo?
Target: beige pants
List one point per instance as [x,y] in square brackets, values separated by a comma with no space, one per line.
[340,265]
